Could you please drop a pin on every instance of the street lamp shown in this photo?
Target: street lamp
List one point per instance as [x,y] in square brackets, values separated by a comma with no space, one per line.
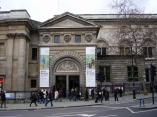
[153,74]
[132,75]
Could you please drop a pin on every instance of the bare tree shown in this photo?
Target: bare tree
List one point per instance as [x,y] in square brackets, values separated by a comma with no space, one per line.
[132,28]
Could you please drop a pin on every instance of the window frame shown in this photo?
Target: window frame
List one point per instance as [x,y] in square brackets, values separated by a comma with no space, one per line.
[135,73]
[101,53]
[2,49]
[56,39]
[36,58]
[106,71]
[76,39]
[31,83]
[147,52]
[125,50]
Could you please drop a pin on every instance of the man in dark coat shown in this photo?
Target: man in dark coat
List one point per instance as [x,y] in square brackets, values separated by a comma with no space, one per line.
[116,94]
[3,99]
[50,98]
[33,99]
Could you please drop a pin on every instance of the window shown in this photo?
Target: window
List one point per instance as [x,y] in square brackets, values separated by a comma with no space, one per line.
[101,52]
[125,50]
[104,71]
[77,38]
[2,50]
[148,52]
[33,83]
[132,73]
[34,53]
[57,39]
[107,72]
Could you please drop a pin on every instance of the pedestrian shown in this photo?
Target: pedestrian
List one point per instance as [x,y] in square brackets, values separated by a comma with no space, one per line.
[86,95]
[92,93]
[120,92]
[3,99]
[107,95]
[50,98]
[45,93]
[60,95]
[101,95]
[41,96]
[56,94]
[97,96]
[116,95]
[33,99]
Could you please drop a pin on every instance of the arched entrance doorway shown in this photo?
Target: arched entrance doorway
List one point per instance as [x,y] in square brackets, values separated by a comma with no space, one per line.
[67,75]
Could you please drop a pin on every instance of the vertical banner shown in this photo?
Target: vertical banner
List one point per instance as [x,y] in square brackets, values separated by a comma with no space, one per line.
[44,67]
[90,67]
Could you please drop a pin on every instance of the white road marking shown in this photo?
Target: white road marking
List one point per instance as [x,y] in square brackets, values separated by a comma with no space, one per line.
[83,115]
[129,110]
[8,116]
[70,114]
[86,115]
[109,107]
[139,111]
[108,116]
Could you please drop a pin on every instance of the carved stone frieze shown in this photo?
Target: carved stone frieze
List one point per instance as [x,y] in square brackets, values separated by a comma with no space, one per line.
[67,38]
[67,66]
[88,37]
[46,38]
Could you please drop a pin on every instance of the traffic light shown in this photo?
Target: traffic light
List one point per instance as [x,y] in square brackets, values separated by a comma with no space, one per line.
[153,72]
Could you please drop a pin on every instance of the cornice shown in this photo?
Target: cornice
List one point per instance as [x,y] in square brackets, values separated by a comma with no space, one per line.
[18,35]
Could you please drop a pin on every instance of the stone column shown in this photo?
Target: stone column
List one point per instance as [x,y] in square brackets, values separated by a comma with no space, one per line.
[9,64]
[22,63]
[67,85]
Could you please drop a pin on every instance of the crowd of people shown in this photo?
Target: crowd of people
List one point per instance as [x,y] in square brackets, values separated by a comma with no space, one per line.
[46,96]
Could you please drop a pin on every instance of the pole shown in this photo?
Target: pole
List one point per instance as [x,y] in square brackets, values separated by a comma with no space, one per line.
[152,92]
[152,81]
[132,70]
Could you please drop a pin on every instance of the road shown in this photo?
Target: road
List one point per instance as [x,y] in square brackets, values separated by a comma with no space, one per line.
[123,109]
[90,111]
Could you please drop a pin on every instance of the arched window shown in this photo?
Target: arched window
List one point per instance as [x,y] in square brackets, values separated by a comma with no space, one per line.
[148,48]
[124,47]
[101,48]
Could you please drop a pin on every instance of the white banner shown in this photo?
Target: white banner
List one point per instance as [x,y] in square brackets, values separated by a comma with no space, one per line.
[90,67]
[44,67]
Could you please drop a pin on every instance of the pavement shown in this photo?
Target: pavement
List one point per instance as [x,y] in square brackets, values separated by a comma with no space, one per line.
[65,103]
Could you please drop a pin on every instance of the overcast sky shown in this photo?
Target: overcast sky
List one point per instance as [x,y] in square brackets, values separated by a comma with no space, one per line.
[42,10]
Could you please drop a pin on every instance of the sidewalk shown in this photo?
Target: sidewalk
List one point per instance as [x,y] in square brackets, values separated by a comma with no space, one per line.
[66,103]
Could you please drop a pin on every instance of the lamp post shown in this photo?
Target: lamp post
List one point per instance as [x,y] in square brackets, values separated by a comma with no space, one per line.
[132,75]
[153,74]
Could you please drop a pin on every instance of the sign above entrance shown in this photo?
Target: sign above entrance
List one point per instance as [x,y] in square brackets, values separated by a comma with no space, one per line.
[90,67]
[44,67]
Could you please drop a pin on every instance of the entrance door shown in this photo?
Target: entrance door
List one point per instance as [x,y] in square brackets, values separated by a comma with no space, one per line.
[74,82]
[61,83]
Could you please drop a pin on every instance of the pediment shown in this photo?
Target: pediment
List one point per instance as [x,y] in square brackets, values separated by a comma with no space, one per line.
[67,20]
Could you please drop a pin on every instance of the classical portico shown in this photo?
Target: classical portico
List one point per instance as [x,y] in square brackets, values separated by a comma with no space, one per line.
[67,54]
[67,74]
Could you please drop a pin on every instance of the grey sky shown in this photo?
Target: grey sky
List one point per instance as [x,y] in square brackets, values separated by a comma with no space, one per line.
[42,10]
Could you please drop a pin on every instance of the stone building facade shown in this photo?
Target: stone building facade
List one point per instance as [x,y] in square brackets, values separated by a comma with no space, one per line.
[67,36]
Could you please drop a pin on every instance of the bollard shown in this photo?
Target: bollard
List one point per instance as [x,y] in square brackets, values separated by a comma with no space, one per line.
[141,102]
